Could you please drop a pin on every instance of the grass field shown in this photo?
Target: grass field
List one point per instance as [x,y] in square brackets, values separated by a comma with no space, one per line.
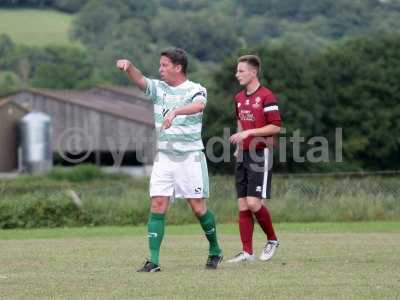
[315,261]
[36,27]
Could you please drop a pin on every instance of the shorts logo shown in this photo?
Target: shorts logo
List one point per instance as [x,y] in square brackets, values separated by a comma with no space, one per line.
[152,234]
[258,188]
[197,190]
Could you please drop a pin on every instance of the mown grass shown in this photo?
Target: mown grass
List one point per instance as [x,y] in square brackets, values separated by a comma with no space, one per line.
[33,27]
[42,201]
[224,228]
[315,261]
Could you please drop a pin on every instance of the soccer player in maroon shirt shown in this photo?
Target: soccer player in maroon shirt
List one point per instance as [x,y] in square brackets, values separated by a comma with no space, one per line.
[258,121]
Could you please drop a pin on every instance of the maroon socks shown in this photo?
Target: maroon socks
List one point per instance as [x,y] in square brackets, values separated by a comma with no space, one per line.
[246,227]
[264,219]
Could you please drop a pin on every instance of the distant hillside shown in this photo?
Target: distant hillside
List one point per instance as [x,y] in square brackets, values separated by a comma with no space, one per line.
[34,27]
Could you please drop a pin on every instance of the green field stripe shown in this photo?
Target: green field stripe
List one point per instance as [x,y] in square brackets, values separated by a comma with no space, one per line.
[37,27]
[192,229]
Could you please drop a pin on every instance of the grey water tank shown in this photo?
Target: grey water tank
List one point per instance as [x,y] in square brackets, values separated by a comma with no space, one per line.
[35,142]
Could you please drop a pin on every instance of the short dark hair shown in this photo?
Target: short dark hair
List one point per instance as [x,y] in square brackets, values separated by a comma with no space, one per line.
[177,56]
[252,60]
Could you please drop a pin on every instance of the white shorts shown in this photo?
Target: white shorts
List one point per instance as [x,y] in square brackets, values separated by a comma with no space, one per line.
[181,176]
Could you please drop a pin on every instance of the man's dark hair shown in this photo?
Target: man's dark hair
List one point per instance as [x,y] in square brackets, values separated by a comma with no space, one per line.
[177,56]
[252,60]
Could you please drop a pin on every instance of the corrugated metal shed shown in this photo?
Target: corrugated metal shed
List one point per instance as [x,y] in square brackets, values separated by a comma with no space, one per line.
[129,94]
[107,123]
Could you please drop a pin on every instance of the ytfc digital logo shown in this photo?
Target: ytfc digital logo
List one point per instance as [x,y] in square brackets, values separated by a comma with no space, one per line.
[75,145]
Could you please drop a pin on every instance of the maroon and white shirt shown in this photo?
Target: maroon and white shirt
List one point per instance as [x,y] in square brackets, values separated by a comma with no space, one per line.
[255,111]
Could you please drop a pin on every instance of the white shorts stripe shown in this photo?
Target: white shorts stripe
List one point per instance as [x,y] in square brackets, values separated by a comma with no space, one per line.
[266,171]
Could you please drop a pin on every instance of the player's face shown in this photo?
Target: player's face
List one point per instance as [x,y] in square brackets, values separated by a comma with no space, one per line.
[245,73]
[168,71]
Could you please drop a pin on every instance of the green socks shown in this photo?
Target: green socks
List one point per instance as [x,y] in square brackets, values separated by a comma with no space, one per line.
[155,233]
[207,222]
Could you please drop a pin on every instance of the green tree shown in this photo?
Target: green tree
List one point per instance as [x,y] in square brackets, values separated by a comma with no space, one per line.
[9,82]
[211,40]
[69,6]
[358,85]
[98,19]
[184,5]
[114,29]
[64,68]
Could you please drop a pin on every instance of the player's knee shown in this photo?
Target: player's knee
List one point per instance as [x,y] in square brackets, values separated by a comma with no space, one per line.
[199,209]
[243,207]
[158,205]
[242,204]
[253,204]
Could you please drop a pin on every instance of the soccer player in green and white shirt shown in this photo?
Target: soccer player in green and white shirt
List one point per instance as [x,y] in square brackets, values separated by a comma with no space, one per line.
[180,167]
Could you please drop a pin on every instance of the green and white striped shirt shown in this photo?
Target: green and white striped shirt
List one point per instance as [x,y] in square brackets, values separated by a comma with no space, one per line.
[184,135]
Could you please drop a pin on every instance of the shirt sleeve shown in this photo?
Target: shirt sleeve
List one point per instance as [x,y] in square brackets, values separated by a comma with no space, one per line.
[151,89]
[271,110]
[200,95]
